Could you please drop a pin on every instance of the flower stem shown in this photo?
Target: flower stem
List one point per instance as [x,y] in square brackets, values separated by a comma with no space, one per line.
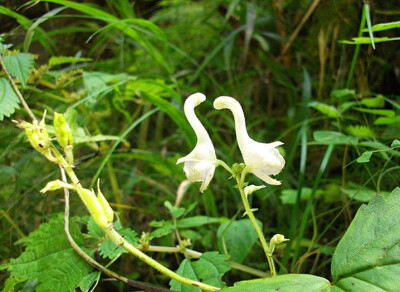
[250,214]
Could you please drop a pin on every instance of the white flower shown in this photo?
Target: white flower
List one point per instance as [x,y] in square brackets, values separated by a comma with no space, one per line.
[261,159]
[200,163]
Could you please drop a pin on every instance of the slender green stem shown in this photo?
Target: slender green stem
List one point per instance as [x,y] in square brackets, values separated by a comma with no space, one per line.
[250,214]
[224,165]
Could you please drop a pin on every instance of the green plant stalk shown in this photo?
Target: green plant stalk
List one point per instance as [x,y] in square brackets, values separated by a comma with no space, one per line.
[356,51]
[250,214]
[307,210]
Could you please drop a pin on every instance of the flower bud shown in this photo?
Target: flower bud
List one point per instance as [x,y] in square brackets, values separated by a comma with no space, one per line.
[108,211]
[276,239]
[55,185]
[62,131]
[94,207]
[37,134]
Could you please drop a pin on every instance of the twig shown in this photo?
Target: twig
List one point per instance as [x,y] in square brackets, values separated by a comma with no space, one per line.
[14,86]
[300,26]
[91,261]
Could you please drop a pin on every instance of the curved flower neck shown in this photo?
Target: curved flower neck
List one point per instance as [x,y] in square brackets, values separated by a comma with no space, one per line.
[191,102]
[238,115]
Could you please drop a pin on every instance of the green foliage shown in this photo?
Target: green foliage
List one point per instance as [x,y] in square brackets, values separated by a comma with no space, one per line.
[209,268]
[8,99]
[108,249]
[285,283]
[19,66]
[49,257]
[368,254]
[236,238]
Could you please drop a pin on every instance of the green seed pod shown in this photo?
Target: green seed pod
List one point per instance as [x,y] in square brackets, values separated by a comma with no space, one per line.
[37,134]
[62,131]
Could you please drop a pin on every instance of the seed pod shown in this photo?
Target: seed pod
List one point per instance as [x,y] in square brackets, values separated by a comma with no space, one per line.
[94,207]
[108,211]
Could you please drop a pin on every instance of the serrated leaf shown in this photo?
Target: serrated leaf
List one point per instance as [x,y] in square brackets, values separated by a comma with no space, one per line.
[49,257]
[326,109]
[284,283]
[238,238]
[8,99]
[331,137]
[108,248]
[164,229]
[360,131]
[209,269]
[19,66]
[368,255]
[94,230]
[365,157]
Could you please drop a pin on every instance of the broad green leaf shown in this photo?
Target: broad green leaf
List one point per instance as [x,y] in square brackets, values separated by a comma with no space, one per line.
[19,66]
[197,221]
[384,26]
[368,255]
[283,283]
[289,196]
[364,157]
[8,99]
[331,137]
[326,109]
[208,269]
[163,228]
[108,248]
[237,237]
[387,120]
[59,60]
[374,111]
[49,257]
[378,101]
[360,131]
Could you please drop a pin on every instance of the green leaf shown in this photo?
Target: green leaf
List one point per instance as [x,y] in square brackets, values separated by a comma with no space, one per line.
[289,196]
[208,269]
[59,60]
[368,20]
[378,101]
[8,99]
[19,66]
[360,131]
[94,230]
[327,110]
[176,212]
[283,283]
[108,249]
[196,221]
[395,143]
[361,193]
[384,26]
[164,228]
[89,280]
[366,40]
[237,237]
[374,111]
[333,138]
[368,255]
[49,257]
[345,94]
[364,157]
[387,121]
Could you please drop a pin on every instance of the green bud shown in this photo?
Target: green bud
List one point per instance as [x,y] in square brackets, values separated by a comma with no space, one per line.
[62,131]
[94,207]
[36,133]
[108,211]
[251,189]
[55,185]
[276,239]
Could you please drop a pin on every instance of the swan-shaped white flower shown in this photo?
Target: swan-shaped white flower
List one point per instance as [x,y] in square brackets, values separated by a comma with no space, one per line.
[200,163]
[261,159]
